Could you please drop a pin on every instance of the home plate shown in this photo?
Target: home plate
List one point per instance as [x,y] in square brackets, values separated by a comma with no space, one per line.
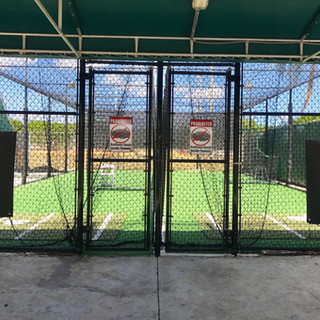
[298,218]
[8,222]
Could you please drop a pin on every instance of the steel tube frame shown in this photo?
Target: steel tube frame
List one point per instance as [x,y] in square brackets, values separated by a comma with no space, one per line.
[158,165]
[82,95]
[236,163]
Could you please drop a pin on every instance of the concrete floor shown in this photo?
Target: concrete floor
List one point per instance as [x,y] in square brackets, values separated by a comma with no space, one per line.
[190,287]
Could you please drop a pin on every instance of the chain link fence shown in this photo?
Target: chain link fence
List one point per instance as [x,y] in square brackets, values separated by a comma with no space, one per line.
[198,160]
[38,101]
[280,112]
[120,192]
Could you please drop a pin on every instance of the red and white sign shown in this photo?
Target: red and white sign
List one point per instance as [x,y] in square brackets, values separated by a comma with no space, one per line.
[121,134]
[201,136]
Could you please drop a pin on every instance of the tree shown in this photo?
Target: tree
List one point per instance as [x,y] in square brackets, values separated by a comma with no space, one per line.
[16,125]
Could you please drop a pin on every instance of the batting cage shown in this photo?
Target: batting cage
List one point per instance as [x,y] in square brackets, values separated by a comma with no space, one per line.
[280,113]
[38,103]
[148,156]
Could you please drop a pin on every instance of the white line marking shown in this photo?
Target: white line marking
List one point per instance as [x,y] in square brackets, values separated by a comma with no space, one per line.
[102,227]
[163,232]
[34,226]
[298,218]
[210,217]
[3,218]
[286,227]
[16,222]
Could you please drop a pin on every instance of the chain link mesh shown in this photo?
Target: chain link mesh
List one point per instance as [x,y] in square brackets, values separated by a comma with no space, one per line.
[38,101]
[273,178]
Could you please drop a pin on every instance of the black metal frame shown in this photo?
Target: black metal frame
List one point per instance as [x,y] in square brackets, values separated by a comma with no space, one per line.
[91,160]
[225,243]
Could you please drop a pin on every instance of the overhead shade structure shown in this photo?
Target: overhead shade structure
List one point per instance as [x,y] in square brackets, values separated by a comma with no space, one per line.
[233,30]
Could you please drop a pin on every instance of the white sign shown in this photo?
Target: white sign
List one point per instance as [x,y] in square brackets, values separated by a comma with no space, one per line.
[121,134]
[201,136]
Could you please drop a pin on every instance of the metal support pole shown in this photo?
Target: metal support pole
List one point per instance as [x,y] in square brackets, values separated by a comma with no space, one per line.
[81,156]
[266,139]
[89,154]
[26,133]
[290,136]
[227,158]
[158,164]
[149,117]
[66,141]
[236,164]
[49,139]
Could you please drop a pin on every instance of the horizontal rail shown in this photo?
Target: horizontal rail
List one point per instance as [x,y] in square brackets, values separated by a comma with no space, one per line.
[119,160]
[119,72]
[280,114]
[58,113]
[199,73]
[197,161]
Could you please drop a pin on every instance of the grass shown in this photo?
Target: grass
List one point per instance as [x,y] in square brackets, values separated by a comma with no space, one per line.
[193,196]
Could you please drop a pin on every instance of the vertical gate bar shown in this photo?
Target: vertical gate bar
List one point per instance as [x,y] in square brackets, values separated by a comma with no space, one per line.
[169,164]
[149,136]
[26,135]
[89,162]
[236,165]
[290,135]
[81,156]
[158,163]
[266,138]
[49,142]
[227,158]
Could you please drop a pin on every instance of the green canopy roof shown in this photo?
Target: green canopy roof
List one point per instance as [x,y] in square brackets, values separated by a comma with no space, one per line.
[228,30]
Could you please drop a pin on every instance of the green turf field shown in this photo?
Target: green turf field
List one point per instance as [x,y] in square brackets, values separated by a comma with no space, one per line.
[271,215]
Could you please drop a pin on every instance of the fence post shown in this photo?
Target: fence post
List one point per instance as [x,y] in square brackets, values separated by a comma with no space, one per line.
[236,165]
[158,164]
[79,243]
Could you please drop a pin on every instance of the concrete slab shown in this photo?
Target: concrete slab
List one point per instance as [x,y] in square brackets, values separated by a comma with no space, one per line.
[245,288]
[190,287]
[77,287]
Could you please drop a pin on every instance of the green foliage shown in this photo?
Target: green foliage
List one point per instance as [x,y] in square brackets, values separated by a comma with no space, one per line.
[16,125]
[306,119]
[246,125]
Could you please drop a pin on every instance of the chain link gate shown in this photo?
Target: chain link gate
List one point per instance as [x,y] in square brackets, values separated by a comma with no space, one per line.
[197,131]
[119,157]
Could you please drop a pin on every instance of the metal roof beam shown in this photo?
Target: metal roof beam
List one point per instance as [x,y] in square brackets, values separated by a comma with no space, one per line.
[48,16]
[140,37]
[311,24]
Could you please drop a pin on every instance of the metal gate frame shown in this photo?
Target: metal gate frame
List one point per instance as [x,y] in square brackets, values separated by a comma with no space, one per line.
[226,243]
[155,236]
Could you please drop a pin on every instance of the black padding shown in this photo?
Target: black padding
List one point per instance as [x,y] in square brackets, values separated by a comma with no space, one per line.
[313,180]
[7,154]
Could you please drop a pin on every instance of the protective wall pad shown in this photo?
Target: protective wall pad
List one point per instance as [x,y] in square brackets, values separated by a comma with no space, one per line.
[7,155]
[313,178]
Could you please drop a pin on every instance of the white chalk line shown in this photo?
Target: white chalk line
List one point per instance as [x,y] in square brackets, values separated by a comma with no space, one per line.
[210,217]
[286,227]
[102,227]
[34,226]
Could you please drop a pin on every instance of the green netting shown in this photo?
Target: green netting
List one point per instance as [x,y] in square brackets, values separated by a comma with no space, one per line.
[270,149]
[4,121]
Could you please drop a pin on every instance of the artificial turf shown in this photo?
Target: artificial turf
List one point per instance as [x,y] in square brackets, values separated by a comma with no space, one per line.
[193,194]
